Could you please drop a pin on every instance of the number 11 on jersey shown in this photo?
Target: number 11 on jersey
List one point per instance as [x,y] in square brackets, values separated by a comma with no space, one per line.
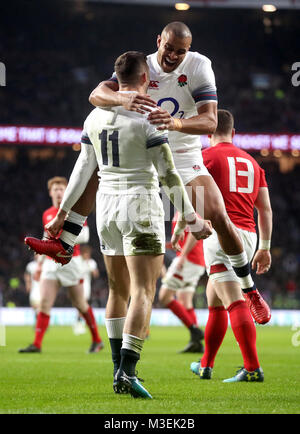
[114,139]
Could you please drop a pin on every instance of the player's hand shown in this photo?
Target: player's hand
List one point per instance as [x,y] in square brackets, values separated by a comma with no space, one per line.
[175,241]
[137,102]
[201,229]
[54,227]
[162,119]
[262,261]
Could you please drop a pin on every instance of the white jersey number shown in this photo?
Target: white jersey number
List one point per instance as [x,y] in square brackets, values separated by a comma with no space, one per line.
[233,174]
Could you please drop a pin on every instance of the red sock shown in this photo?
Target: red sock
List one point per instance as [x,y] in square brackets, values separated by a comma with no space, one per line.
[193,316]
[91,323]
[42,323]
[180,311]
[215,331]
[245,333]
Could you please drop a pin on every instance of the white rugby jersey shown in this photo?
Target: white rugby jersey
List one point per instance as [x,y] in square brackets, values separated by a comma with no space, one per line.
[120,139]
[181,92]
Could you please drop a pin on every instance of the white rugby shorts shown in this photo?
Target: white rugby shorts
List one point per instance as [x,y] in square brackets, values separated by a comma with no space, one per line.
[186,279]
[67,275]
[218,265]
[87,290]
[189,164]
[35,294]
[130,224]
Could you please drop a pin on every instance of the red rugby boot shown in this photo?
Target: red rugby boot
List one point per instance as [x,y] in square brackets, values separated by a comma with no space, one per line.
[51,247]
[258,307]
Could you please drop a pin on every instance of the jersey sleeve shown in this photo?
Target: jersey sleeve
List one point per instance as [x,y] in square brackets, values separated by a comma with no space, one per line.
[203,83]
[155,137]
[207,159]
[262,180]
[44,219]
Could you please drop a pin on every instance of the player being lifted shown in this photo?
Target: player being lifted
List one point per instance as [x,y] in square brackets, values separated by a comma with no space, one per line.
[131,154]
[181,280]
[183,85]
[243,186]
[53,276]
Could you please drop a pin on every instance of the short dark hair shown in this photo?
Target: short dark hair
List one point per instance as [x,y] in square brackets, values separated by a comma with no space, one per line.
[225,123]
[179,29]
[129,66]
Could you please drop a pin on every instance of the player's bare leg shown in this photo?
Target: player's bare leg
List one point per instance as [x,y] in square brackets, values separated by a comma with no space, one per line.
[144,272]
[76,295]
[214,210]
[86,202]
[48,289]
[116,307]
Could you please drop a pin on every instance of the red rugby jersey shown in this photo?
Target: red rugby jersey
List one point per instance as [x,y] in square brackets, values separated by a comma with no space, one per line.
[49,215]
[239,177]
[196,254]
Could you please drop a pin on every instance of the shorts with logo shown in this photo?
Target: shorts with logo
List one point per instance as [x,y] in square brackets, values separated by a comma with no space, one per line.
[186,279]
[189,164]
[130,224]
[67,275]
[218,265]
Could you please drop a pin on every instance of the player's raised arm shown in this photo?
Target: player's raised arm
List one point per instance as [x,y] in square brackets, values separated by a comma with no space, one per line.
[262,259]
[80,176]
[204,123]
[106,94]
[163,161]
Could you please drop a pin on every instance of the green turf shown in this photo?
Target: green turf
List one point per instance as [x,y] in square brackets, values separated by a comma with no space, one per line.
[64,379]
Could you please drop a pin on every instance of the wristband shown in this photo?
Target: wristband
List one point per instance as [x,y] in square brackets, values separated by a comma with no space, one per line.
[177,124]
[264,245]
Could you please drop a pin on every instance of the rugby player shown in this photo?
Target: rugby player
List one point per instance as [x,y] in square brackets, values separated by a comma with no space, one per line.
[244,187]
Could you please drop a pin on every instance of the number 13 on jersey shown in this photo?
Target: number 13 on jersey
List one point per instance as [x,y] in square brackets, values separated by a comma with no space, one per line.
[234,174]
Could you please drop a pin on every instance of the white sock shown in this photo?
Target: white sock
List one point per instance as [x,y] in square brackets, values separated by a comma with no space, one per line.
[114,327]
[72,228]
[132,343]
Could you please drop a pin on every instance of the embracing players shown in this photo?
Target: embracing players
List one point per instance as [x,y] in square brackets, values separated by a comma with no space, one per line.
[183,85]
[132,157]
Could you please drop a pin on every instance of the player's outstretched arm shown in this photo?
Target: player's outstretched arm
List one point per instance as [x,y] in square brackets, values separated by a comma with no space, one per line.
[80,176]
[262,258]
[204,123]
[175,190]
[106,95]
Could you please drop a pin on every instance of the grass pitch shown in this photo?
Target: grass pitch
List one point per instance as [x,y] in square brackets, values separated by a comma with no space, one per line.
[64,379]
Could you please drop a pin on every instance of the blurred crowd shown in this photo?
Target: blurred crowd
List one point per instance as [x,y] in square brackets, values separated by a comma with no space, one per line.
[63,49]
